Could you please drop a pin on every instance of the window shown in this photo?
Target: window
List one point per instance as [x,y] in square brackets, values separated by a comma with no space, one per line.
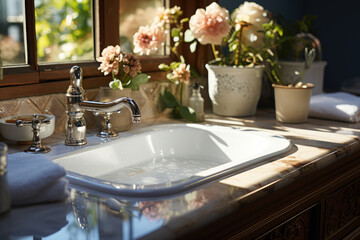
[64,30]
[12,34]
[134,14]
[42,54]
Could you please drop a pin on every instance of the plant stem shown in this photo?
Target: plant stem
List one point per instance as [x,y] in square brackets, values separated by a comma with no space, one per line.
[238,48]
[214,51]
[181,91]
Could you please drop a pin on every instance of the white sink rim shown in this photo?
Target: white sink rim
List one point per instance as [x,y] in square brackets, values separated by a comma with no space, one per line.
[157,190]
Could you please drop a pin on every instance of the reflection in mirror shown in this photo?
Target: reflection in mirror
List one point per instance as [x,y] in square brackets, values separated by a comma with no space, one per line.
[134,14]
[12,45]
[64,30]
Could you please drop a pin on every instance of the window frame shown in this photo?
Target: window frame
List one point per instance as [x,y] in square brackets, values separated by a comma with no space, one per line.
[39,79]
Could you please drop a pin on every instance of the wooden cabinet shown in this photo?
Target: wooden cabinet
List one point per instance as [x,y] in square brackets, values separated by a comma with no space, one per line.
[342,211]
[324,204]
[300,227]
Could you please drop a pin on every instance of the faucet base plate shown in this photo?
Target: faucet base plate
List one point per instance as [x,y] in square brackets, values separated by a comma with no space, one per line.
[107,134]
[75,143]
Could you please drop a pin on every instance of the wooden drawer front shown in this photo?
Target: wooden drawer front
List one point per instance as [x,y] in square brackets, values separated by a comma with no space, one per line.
[301,227]
[342,208]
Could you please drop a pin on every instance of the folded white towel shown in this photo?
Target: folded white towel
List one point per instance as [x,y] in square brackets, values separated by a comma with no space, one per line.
[339,106]
[33,178]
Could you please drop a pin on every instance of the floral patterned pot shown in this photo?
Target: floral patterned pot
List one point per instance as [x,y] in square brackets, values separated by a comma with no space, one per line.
[234,91]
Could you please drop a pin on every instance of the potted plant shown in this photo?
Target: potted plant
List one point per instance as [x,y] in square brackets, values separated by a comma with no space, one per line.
[150,38]
[292,99]
[235,74]
[298,35]
[125,71]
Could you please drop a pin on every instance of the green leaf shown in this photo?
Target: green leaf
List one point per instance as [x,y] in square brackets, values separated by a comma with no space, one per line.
[164,67]
[138,80]
[115,84]
[175,32]
[233,46]
[174,65]
[189,37]
[169,99]
[176,113]
[193,46]
[233,36]
[187,113]
[184,20]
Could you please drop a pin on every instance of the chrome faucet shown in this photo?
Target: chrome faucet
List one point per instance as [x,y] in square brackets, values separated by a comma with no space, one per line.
[76,105]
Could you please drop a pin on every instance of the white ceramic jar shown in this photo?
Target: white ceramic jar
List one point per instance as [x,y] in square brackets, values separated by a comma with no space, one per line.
[234,91]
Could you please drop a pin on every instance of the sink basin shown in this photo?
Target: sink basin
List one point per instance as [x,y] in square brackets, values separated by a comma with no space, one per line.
[170,158]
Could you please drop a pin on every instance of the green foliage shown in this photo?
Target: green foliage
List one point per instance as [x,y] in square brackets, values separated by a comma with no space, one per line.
[168,100]
[63,30]
[291,47]
[136,81]
[115,84]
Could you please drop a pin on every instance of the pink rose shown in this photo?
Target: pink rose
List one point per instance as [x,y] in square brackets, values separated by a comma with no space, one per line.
[148,39]
[210,25]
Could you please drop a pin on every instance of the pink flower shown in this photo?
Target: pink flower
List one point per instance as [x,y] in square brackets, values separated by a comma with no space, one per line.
[210,25]
[148,39]
[110,58]
[181,73]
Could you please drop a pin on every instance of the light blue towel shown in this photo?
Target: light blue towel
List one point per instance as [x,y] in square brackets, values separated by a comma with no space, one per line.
[33,178]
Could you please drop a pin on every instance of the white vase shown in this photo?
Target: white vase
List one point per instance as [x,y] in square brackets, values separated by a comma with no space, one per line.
[314,75]
[291,103]
[234,91]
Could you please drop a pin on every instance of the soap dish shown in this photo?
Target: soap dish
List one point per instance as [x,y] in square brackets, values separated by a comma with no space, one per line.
[10,131]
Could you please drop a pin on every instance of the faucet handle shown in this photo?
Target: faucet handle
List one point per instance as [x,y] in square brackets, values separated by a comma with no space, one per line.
[36,146]
[36,121]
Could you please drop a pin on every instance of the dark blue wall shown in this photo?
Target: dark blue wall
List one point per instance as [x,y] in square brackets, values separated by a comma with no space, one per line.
[338,28]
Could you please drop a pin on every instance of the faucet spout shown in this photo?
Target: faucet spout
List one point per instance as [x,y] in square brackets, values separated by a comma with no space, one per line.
[76,105]
[113,106]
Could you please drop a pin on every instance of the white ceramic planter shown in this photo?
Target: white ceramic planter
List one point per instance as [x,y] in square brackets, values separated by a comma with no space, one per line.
[292,104]
[314,75]
[234,91]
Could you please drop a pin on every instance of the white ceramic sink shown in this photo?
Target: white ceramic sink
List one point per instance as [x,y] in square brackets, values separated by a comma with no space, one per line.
[167,159]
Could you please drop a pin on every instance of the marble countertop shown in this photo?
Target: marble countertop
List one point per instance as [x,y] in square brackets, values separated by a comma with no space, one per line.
[85,215]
